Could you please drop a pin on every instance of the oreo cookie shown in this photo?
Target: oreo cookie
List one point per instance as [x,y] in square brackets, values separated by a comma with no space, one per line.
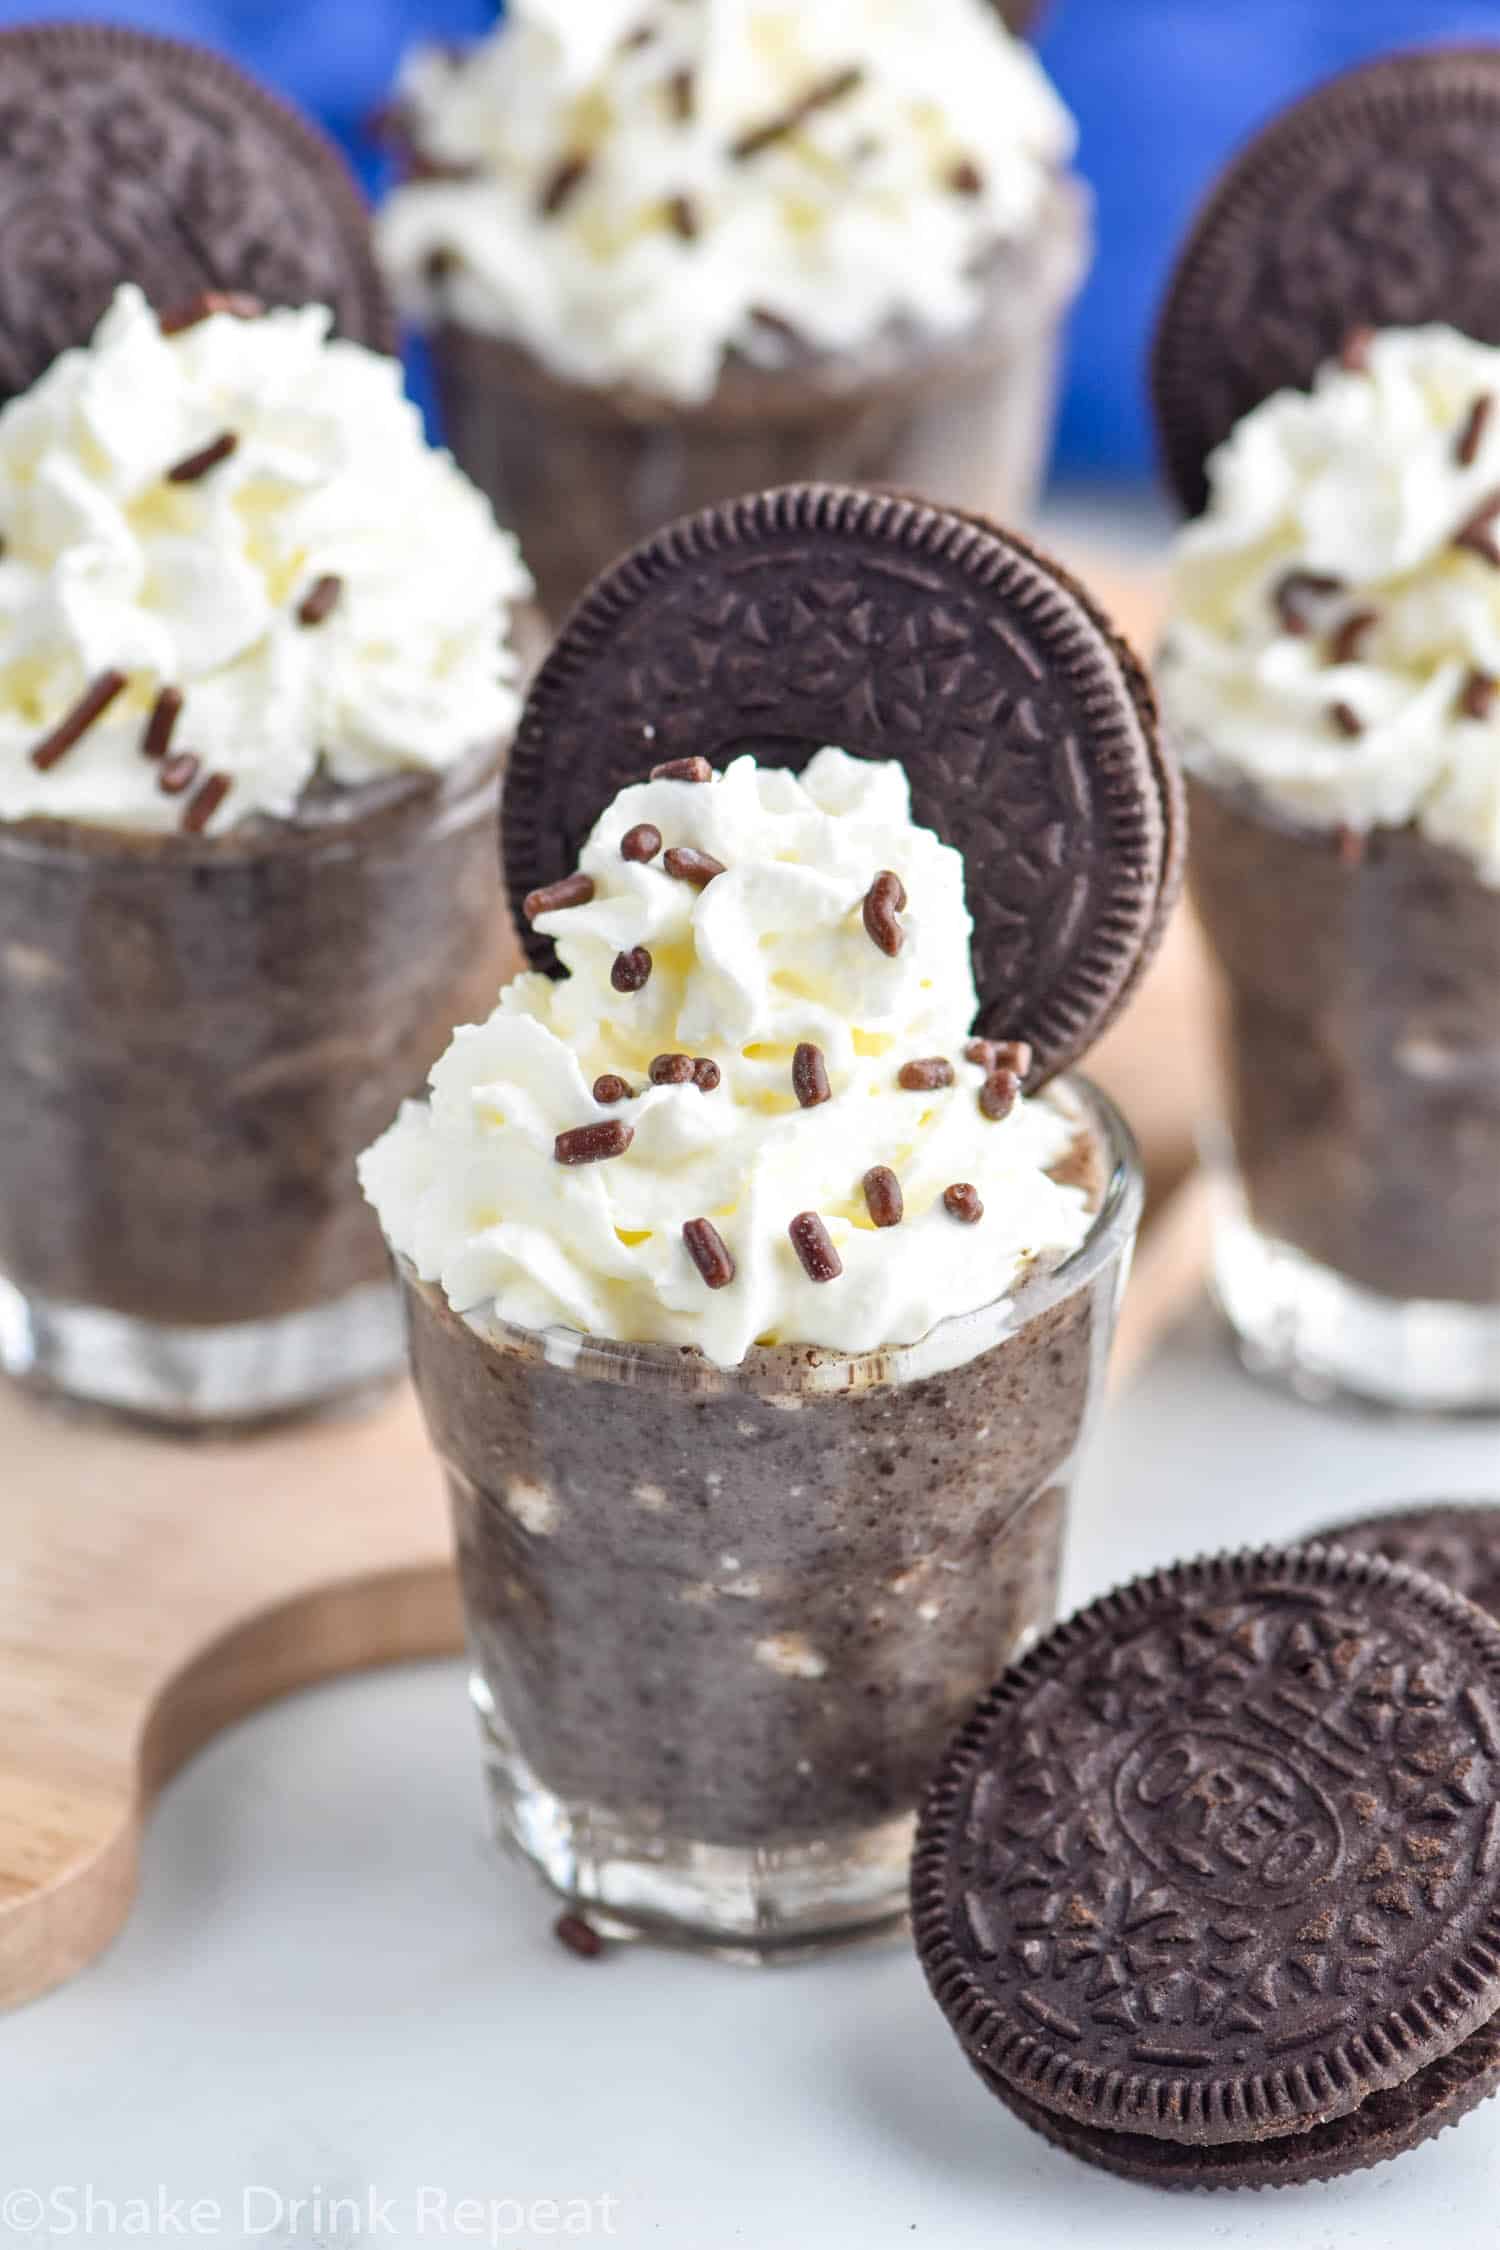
[1368,205]
[1456,1541]
[129,158]
[1209,1885]
[819,614]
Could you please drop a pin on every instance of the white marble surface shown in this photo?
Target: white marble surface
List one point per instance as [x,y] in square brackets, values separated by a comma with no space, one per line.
[330,1989]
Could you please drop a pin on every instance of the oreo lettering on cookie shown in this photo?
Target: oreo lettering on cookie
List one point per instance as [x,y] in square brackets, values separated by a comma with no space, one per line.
[819,614]
[1209,1886]
[1368,205]
[129,158]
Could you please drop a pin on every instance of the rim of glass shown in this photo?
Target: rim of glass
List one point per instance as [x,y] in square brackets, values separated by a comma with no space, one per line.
[804,1370]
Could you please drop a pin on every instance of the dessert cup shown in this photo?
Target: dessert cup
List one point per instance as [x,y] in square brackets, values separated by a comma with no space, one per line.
[723,1620]
[1358,1237]
[583,473]
[200,1036]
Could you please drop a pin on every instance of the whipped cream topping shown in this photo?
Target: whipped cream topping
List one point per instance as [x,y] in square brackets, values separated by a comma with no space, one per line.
[246,516]
[771,956]
[1335,634]
[633,188]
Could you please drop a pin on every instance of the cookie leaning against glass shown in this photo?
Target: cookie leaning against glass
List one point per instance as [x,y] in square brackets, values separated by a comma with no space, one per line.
[1326,378]
[762,1270]
[253,686]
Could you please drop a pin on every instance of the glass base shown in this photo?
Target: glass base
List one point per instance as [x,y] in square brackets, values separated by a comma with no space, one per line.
[1307,1326]
[738,1903]
[332,1356]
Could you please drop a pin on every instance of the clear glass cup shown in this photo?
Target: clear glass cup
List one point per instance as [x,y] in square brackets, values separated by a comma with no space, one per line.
[582,473]
[1357,1170]
[722,1622]
[200,1035]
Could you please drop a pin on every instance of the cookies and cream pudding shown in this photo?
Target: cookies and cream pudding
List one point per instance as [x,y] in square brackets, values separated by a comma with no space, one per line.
[233,565]
[751,1112]
[1335,634]
[636,189]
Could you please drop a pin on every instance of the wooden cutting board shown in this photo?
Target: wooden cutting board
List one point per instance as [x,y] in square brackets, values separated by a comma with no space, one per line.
[152,1592]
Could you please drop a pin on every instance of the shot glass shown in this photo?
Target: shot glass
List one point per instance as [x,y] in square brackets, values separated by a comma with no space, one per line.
[583,473]
[723,1621]
[1357,1240]
[200,1035]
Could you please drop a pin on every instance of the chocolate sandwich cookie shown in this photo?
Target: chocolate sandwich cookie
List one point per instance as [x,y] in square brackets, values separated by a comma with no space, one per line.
[1456,1541]
[1209,1885]
[820,614]
[1368,205]
[129,158]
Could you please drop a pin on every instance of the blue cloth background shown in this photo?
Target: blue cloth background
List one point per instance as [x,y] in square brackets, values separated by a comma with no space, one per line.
[1162,89]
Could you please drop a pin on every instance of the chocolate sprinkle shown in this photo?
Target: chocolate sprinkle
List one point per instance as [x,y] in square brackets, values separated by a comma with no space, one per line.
[321,600]
[709,1252]
[814,1246]
[207,457]
[1476,535]
[883,1198]
[682,95]
[1349,640]
[591,1144]
[884,900]
[706,1074]
[165,713]
[1346,719]
[682,217]
[965,177]
[683,769]
[1478,695]
[640,843]
[961,1201]
[238,303]
[631,971]
[1295,590]
[672,1070]
[205,802]
[926,1074]
[998,1094]
[75,724]
[572,890]
[578,1936]
[697,868]
[1354,351]
[835,88]
[562,184]
[810,1076]
[1471,437]
[1349,845]
[178,773]
[608,1089]
[1001,1054]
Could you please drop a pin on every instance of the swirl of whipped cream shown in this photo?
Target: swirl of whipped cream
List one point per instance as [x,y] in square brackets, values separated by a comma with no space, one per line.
[771,954]
[634,188]
[320,587]
[1335,631]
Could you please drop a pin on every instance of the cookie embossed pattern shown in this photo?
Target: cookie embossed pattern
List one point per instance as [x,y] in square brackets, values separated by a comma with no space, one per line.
[1219,1864]
[209,181]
